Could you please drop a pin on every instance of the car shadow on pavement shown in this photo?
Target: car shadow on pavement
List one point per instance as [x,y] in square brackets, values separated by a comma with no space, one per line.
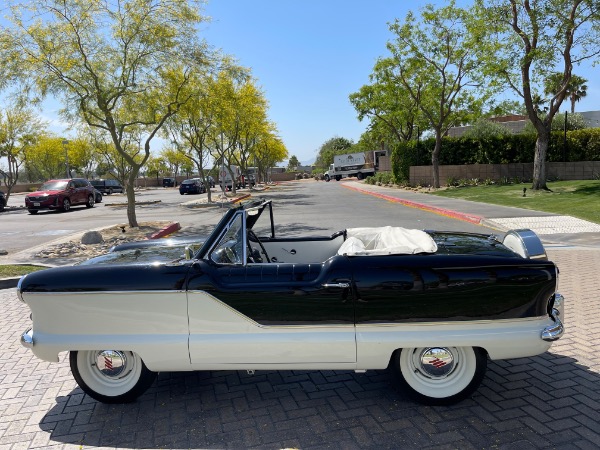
[545,401]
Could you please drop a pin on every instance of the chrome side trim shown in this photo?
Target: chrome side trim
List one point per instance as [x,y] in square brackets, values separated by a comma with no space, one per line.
[553,332]
[27,339]
[19,292]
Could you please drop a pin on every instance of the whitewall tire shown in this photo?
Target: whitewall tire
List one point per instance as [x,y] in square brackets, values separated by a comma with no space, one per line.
[439,375]
[111,376]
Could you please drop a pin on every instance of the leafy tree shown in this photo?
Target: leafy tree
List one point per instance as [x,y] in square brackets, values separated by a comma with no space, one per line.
[387,104]
[45,159]
[268,151]
[522,43]
[191,129]
[19,129]
[175,160]
[435,63]
[83,154]
[334,146]
[576,88]
[293,163]
[252,121]
[119,66]
[155,166]
[484,128]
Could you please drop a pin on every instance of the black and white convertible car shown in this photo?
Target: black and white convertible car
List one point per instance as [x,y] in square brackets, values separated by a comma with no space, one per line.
[434,306]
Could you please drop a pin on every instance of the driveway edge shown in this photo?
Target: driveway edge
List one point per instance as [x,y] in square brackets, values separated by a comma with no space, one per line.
[471,218]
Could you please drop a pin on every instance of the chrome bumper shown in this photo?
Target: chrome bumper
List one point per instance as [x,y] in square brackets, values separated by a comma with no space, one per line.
[27,339]
[554,332]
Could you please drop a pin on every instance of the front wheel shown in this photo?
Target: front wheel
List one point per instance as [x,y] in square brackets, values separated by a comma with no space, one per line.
[439,375]
[327,178]
[111,376]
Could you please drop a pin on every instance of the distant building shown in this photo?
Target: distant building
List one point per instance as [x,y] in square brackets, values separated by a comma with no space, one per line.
[516,123]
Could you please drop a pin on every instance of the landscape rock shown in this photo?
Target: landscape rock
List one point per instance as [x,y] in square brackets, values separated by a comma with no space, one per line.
[92,237]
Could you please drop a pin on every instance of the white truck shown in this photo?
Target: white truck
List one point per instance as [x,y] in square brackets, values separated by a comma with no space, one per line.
[226,179]
[359,165]
[241,180]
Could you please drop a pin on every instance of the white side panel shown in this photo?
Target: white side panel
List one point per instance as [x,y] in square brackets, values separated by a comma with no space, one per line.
[303,252]
[502,339]
[151,323]
[221,336]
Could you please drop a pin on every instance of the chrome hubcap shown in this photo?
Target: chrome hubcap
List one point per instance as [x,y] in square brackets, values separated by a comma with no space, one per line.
[437,362]
[111,363]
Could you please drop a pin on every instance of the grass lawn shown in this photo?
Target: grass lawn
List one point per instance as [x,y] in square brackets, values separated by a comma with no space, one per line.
[17,270]
[572,198]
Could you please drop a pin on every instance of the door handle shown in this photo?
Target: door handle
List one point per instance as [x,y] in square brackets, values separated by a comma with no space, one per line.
[336,285]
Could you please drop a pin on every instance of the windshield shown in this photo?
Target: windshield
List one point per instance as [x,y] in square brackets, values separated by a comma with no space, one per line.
[230,249]
[54,186]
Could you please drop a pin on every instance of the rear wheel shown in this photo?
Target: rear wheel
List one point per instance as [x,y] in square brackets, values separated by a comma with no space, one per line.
[110,191]
[66,204]
[111,376]
[439,375]
[359,176]
[90,201]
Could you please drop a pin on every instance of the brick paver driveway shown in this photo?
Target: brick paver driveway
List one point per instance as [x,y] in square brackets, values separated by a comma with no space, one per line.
[549,401]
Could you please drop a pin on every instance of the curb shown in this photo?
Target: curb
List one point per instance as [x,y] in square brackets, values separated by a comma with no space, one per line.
[471,218]
[169,229]
[243,197]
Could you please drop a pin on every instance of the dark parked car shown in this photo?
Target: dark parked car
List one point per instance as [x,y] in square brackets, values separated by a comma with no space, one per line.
[433,306]
[61,194]
[107,186]
[2,201]
[191,186]
[169,182]
[97,196]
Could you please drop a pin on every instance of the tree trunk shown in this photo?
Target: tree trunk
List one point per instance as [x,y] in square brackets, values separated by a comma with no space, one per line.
[435,158]
[130,189]
[539,161]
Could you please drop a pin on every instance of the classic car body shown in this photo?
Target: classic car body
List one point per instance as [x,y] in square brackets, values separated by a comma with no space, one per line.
[432,305]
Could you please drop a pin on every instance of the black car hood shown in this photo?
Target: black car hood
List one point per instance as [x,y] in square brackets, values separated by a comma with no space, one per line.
[153,251]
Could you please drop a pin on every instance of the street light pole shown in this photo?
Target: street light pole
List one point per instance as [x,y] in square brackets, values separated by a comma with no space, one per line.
[65,145]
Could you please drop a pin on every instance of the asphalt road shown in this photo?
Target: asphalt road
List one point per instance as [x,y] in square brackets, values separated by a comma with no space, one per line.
[307,207]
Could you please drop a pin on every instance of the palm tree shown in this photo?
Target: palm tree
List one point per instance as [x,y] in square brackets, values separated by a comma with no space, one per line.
[576,89]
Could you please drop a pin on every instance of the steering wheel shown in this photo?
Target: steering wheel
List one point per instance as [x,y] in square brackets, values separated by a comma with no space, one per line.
[262,247]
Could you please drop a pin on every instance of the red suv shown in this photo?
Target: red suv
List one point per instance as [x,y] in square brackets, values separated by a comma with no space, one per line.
[61,194]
